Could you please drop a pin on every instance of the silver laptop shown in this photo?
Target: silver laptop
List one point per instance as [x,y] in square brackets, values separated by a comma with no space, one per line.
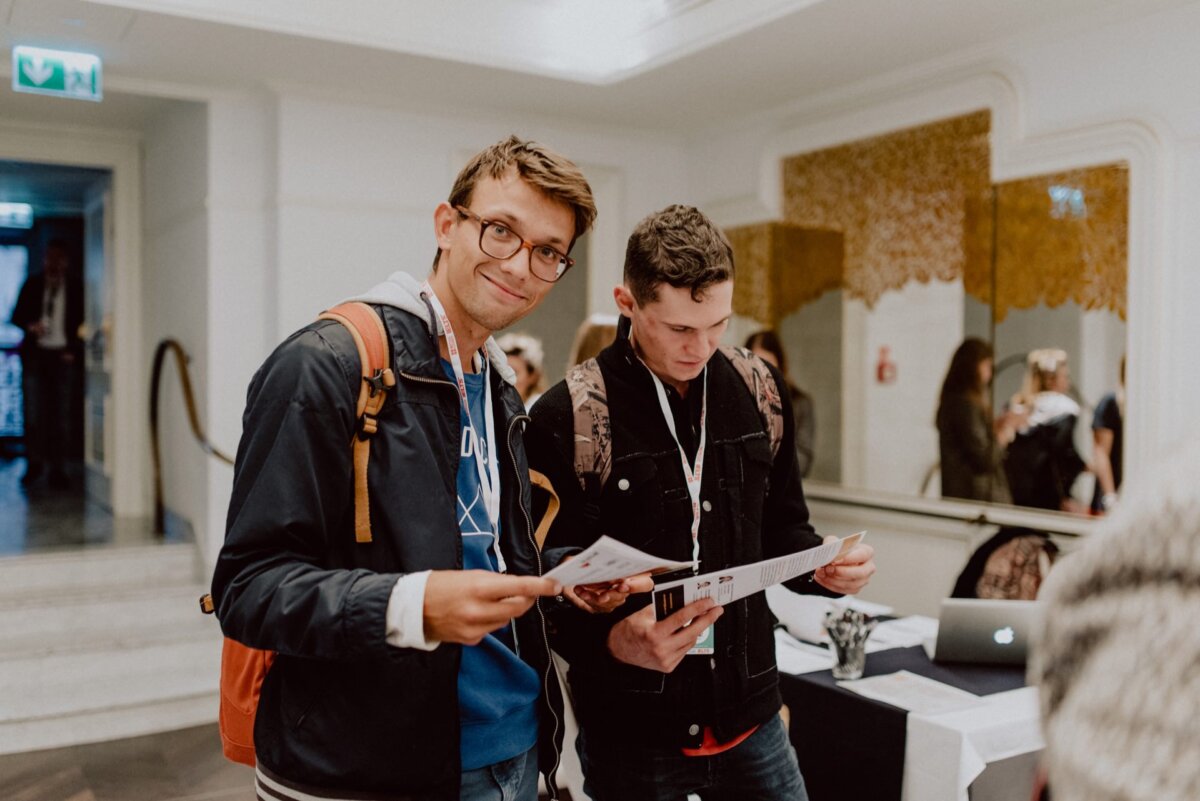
[985,632]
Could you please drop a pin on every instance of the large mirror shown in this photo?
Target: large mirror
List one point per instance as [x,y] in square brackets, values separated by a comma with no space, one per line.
[898,257]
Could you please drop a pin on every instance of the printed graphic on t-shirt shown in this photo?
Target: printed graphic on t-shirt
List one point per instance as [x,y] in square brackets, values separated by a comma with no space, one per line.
[472,508]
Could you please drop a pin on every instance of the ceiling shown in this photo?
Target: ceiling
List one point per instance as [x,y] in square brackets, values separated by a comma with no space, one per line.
[668,65]
[672,65]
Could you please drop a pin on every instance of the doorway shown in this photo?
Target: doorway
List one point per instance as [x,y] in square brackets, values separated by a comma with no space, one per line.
[53,372]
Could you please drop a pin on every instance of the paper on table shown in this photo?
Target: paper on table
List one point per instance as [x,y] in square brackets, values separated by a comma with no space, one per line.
[905,632]
[795,657]
[608,560]
[912,692]
[728,585]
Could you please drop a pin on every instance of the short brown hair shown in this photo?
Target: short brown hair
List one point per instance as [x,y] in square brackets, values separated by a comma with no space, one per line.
[554,175]
[677,246]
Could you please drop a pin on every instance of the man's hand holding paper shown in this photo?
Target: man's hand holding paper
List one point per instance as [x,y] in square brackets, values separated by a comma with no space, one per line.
[850,571]
[602,576]
[603,597]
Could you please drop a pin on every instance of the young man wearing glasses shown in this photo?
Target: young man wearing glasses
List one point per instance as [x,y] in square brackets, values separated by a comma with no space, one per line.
[666,709]
[417,665]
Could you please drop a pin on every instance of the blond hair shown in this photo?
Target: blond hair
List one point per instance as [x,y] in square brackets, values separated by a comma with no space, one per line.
[594,335]
[1041,368]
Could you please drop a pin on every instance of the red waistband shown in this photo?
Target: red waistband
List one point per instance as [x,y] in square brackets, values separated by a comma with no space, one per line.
[710,747]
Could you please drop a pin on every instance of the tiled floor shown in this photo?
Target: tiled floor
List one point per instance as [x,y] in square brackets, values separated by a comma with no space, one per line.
[184,765]
[39,518]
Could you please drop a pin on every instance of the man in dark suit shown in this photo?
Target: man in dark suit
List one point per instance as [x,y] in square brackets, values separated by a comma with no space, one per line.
[49,310]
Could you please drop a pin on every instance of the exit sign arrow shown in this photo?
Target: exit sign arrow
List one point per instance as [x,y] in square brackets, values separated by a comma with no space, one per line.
[60,73]
[37,70]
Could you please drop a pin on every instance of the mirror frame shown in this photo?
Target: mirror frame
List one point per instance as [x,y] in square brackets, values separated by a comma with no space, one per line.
[829,121]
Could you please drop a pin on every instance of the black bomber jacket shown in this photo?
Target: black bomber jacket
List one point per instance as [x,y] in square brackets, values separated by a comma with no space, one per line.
[341,709]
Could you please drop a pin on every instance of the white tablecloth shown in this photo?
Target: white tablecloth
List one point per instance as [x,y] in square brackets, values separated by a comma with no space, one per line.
[945,752]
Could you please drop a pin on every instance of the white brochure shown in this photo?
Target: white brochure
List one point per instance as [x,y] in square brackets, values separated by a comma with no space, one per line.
[731,584]
[609,560]
[913,692]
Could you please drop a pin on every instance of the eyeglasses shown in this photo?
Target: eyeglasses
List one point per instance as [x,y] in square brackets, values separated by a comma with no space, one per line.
[501,242]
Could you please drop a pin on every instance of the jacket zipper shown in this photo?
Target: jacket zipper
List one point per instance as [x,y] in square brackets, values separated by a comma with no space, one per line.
[425,380]
[551,786]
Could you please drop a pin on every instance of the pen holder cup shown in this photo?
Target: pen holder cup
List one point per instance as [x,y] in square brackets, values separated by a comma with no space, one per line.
[850,660]
[848,632]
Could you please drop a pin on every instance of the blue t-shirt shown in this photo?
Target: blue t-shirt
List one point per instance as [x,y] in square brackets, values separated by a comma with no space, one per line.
[497,691]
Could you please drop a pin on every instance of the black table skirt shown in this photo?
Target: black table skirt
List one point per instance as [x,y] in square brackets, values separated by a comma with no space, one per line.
[851,748]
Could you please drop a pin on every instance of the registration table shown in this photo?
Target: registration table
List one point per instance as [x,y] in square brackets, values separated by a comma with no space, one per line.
[854,747]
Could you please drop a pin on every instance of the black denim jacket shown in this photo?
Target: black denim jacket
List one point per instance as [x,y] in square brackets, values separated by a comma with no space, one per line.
[754,509]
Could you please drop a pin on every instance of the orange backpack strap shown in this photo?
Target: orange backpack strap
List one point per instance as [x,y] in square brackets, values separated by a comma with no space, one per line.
[553,504]
[371,339]
[761,384]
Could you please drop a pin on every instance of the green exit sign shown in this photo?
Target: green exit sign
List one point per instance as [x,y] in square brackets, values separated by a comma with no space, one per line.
[56,72]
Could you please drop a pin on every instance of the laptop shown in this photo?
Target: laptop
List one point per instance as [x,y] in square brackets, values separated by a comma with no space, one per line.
[988,632]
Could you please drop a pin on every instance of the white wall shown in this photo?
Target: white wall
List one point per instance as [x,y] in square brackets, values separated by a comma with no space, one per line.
[1059,99]
[174,292]
[358,185]
[243,276]
[896,440]
[813,338]
[311,200]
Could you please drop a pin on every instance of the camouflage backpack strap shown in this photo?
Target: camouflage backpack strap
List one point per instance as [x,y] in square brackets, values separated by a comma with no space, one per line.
[1015,571]
[763,389]
[593,431]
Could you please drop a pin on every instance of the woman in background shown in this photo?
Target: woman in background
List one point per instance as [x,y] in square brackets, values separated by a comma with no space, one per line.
[525,358]
[971,445]
[1042,463]
[593,335]
[767,346]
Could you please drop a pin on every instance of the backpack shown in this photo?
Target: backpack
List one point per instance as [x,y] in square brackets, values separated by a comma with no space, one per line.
[593,429]
[1011,565]
[243,668]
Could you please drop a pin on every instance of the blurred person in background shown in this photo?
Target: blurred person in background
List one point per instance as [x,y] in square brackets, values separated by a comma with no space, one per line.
[1042,462]
[1107,442]
[49,310]
[525,357]
[1117,657]
[766,345]
[593,335]
[971,445]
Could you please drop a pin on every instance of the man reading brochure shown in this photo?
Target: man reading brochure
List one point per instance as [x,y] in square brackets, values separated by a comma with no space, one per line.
[694,477]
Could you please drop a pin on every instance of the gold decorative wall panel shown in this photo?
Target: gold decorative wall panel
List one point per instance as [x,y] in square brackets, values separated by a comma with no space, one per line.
[781,267]
[917,205]
[900,200]
[1058,238]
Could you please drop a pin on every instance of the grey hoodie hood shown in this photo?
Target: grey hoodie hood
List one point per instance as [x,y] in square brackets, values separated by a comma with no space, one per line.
[403,291]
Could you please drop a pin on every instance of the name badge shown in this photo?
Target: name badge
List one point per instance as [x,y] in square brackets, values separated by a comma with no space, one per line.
[706,645]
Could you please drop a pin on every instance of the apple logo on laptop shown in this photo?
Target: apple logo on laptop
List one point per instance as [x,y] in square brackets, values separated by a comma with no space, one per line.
[1004,636]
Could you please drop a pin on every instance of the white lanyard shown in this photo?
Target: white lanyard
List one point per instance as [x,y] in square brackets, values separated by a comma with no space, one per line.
[489,470]
[695,472]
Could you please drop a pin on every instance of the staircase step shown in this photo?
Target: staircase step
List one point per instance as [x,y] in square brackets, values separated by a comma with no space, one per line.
[113,723]
[85,616]
[98,569]
[80,682]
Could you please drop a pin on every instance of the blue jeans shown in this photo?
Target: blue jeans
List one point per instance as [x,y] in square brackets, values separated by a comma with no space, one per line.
[513,779]
[763,767]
